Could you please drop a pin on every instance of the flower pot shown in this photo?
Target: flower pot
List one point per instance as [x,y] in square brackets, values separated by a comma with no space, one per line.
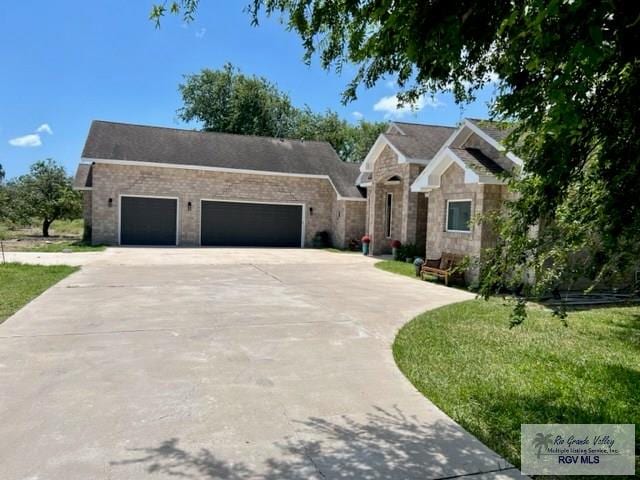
[394,252]
[365,249]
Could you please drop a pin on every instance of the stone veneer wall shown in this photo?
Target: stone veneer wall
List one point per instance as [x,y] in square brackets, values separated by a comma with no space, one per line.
[86,215]
[354,220]
[407,208]
[111,181]
[484,198]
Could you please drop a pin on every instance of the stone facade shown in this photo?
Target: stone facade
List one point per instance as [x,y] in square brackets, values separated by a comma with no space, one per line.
[86,214]
[408,214]
[484,198]
[321,207]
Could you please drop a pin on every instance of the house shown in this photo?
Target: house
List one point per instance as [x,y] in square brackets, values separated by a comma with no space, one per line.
[425,184]
[466,178]
[147,185]
[394,212]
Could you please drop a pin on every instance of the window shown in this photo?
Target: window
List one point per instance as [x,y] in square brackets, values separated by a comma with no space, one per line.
[458,215]
[388,216]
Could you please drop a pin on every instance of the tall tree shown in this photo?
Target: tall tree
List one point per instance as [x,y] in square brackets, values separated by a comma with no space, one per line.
[569,79]
[228,101]
[46,192]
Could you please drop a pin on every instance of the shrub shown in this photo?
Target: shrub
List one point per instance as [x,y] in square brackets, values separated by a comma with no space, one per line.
[409,250]
[321,240]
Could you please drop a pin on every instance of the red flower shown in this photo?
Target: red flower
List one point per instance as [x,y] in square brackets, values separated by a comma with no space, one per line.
[366,239]
[395,244]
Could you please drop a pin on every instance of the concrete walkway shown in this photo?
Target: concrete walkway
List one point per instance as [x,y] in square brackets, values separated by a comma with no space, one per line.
[224,363]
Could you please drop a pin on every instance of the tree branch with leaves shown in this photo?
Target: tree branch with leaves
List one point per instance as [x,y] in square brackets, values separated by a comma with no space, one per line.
[568,79]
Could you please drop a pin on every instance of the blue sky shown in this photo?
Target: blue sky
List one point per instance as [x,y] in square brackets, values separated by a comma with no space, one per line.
[69,62]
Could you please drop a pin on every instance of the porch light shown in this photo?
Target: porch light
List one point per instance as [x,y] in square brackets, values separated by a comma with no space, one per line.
[110,202]
[310,210]
[189,206]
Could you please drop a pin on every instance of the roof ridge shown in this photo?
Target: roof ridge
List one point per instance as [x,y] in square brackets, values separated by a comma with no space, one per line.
[184,130]
[423,124]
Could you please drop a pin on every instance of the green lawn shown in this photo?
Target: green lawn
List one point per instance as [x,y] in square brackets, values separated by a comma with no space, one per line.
[20,283]
[490,378]
[401,268]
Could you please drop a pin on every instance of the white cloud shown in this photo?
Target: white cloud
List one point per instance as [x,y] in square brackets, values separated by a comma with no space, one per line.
[31,140]
[201,33]
[357,115]
[389,105]
[44,128]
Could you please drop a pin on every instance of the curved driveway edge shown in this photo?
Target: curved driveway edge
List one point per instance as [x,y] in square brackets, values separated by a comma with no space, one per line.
[224,363]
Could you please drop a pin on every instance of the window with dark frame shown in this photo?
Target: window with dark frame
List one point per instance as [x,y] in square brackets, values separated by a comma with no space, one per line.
[388,217]
[458,216]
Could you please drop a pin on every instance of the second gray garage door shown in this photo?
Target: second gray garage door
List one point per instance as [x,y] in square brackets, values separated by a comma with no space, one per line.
[250,224]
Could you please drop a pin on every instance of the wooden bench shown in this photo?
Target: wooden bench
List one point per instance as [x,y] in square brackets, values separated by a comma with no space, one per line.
[443,267]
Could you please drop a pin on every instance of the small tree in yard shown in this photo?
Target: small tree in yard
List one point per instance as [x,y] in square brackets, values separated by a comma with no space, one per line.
[46,192]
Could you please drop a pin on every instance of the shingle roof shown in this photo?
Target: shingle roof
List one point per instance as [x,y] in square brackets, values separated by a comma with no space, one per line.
[141,143]
[364,177]
[84,177]
[420,141]
[496,130]
[477,161]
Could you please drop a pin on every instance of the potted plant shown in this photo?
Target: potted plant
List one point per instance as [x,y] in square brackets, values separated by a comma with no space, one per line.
[366,240]
[395,245]
[418,263]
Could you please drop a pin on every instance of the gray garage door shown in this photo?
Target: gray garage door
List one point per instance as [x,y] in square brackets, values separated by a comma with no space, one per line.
[148,221]
[250,224]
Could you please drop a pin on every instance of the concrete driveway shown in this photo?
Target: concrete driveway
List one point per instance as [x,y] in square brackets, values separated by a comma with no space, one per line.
[224,363]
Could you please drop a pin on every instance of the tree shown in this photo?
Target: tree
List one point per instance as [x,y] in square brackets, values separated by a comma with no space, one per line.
[4,197]
[46,192]
[228,101]
[569,80]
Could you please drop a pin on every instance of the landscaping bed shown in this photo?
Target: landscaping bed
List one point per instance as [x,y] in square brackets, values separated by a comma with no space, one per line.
[20,283]
[490,378]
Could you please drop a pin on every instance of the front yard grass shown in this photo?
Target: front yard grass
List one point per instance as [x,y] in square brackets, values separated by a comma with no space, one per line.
[490,379]
[394,266]
[21,283]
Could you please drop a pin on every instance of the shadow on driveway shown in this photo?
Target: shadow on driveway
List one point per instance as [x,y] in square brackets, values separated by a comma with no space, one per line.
[386,445]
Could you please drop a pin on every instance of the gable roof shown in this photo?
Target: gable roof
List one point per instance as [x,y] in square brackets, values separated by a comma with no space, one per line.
[84,177]
[412,142]
[478,162]
[496,130]
[419,141]
[162,145]
[478,166]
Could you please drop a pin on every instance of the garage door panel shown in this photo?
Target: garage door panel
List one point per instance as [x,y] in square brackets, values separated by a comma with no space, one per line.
[148,221]
[250,224]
